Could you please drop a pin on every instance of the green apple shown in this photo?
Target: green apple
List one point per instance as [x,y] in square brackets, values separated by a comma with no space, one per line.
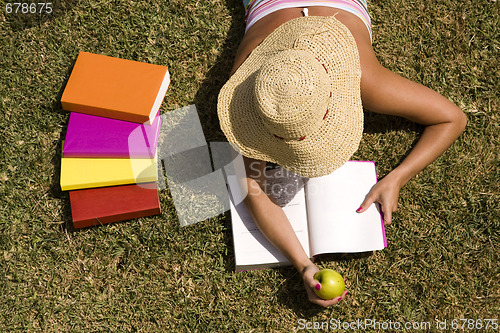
[332,284]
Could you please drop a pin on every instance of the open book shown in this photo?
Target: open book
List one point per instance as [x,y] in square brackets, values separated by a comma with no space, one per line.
[322,214]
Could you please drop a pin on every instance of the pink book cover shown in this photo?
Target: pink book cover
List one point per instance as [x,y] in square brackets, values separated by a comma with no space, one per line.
[90,136]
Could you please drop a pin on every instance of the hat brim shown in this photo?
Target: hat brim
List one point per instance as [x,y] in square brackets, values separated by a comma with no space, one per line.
[338,137]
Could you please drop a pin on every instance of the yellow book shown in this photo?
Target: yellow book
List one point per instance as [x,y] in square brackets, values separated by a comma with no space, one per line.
[79,173]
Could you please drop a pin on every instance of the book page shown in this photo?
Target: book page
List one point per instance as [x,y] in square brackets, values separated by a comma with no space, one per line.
[252,250]
[332,200]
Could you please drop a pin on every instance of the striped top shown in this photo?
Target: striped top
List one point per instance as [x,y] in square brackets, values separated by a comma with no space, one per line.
[257,9]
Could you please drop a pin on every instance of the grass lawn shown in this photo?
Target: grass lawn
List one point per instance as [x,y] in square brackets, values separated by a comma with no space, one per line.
[151,275]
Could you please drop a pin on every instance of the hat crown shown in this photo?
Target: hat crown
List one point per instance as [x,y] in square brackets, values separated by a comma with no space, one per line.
[292,91]
[251,125]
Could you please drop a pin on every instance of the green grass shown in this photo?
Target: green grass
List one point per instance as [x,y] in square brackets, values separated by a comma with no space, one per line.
[151,275]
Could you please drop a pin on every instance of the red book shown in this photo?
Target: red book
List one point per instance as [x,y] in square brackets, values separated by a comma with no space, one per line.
[96,206]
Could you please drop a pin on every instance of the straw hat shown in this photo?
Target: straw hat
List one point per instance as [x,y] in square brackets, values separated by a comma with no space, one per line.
[296,99]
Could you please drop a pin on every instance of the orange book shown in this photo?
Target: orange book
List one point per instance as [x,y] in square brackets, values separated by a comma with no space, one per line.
[115,88]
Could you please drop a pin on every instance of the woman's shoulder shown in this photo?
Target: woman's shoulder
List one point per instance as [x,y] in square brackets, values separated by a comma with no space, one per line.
[265,26]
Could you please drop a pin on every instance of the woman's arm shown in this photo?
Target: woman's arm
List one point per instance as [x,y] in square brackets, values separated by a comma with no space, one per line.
[385,92]
[275,226]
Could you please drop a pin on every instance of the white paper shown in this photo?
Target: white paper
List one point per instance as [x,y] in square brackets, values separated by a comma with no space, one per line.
[332,200]
[251,248]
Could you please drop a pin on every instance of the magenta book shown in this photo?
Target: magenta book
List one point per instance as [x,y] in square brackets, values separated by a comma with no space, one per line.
[90,136]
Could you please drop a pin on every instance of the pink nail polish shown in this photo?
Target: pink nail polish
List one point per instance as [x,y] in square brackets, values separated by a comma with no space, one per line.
[359,209]
[318,286]
[347,292]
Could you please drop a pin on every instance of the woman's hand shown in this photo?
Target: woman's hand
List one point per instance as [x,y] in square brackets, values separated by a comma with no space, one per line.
[310,283]
[386,193]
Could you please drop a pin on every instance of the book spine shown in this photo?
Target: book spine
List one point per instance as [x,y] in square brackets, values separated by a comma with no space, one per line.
[115,218]
[107,113]
[80,186]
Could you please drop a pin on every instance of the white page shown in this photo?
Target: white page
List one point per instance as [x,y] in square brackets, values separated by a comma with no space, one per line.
[251,248]
[332,200]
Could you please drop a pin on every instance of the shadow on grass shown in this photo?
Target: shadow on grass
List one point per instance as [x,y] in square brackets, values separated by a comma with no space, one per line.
[381,123]
[55,186]
[206,97]
[206,102]
[293,294]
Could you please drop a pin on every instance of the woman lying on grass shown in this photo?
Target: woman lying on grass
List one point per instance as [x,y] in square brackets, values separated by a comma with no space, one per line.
[303,73]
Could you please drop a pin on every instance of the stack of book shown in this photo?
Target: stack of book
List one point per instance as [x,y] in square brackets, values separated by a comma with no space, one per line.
[109,158]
